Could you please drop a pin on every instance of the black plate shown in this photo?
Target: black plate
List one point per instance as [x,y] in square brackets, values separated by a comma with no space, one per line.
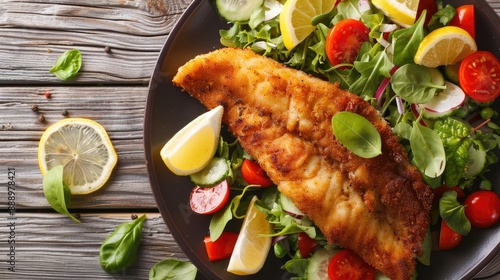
[168,110]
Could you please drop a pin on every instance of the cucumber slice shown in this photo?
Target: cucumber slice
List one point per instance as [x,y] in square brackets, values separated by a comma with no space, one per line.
[288,206]
[477,160]
[318,263]
[237,10]
[215,172]
[451,72]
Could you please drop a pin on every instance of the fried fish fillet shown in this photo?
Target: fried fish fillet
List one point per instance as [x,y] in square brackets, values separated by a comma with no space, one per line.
[377,207]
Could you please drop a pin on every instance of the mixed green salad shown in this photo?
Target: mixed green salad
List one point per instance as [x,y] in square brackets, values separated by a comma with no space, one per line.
[445,123]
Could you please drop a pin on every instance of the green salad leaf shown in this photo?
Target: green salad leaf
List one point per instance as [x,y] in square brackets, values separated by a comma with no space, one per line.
[428,151]
[453,213]
[413,83]
[357,134]
[172,269]
[407,40]
[56,192]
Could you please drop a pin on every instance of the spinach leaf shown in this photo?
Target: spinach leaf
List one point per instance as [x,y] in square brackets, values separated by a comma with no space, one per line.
[407,40]
[414,84]
[357,134]
[456,141]
[172,269]
[67,65]
[453,213]
[119,249]
[56,192]
[428,151]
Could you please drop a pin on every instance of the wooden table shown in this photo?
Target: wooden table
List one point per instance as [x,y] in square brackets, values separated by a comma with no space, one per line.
[111,89]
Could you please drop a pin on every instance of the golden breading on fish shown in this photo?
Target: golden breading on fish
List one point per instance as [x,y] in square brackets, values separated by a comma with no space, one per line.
[377,207]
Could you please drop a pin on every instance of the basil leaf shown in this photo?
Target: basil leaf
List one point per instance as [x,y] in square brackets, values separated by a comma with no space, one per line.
[357,134]
[119,249]
[407,40]
[453,213]
[414,84]
[67,65]
[428,150]
[56,192]
[173,269]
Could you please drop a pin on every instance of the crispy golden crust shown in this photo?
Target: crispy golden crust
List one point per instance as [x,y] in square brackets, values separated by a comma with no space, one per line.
[377,207]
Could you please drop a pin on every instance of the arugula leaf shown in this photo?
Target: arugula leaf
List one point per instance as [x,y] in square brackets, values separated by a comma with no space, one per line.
[56,192]
[454,213]
[357,134]
[456,141]
[428,151]
[414,84]
[407,40]
[442,17]
[172,269]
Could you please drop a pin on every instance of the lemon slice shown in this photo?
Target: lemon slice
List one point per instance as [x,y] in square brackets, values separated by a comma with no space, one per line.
[253,243]
[445,46]
[192,148]
[296,16]
[83,148]
[402,12]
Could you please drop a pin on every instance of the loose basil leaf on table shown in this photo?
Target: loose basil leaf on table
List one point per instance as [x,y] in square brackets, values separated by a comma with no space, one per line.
[173,269]
[67,65]
[119,250]
[357,134]
[56,192]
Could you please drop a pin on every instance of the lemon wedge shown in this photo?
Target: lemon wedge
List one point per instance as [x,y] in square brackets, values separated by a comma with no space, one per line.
[253,243]
[445,46]
[192,147]
[82,146]
[402,12]
[296,17]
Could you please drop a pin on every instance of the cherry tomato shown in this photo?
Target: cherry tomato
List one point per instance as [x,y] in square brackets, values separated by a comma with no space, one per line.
[210,199]
[344,41]
[465,19]
[254,175]
[479,76]
[346,265]
[448,238]
[482,208]
[221,248]
[306,244]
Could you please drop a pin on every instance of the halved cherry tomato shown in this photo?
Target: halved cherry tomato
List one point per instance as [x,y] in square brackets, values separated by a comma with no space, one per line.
[344,41]
[465,19]
[482,208]
[253,174]
[448,238]
[306,244]
[210,199]
[479,76]
[346,265]
[222,248]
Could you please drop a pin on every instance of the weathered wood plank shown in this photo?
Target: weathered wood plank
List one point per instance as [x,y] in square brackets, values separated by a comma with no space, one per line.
[35,33]
[52,246]
[119,109]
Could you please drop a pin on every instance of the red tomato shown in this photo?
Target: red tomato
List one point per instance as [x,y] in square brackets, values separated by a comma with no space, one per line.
[210,199]
[344,41]
[482,208]
[346,265]
[465,19]
[254,175]
[431,8]
[306,244]
[221,248]
[448,238]
[479,76]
